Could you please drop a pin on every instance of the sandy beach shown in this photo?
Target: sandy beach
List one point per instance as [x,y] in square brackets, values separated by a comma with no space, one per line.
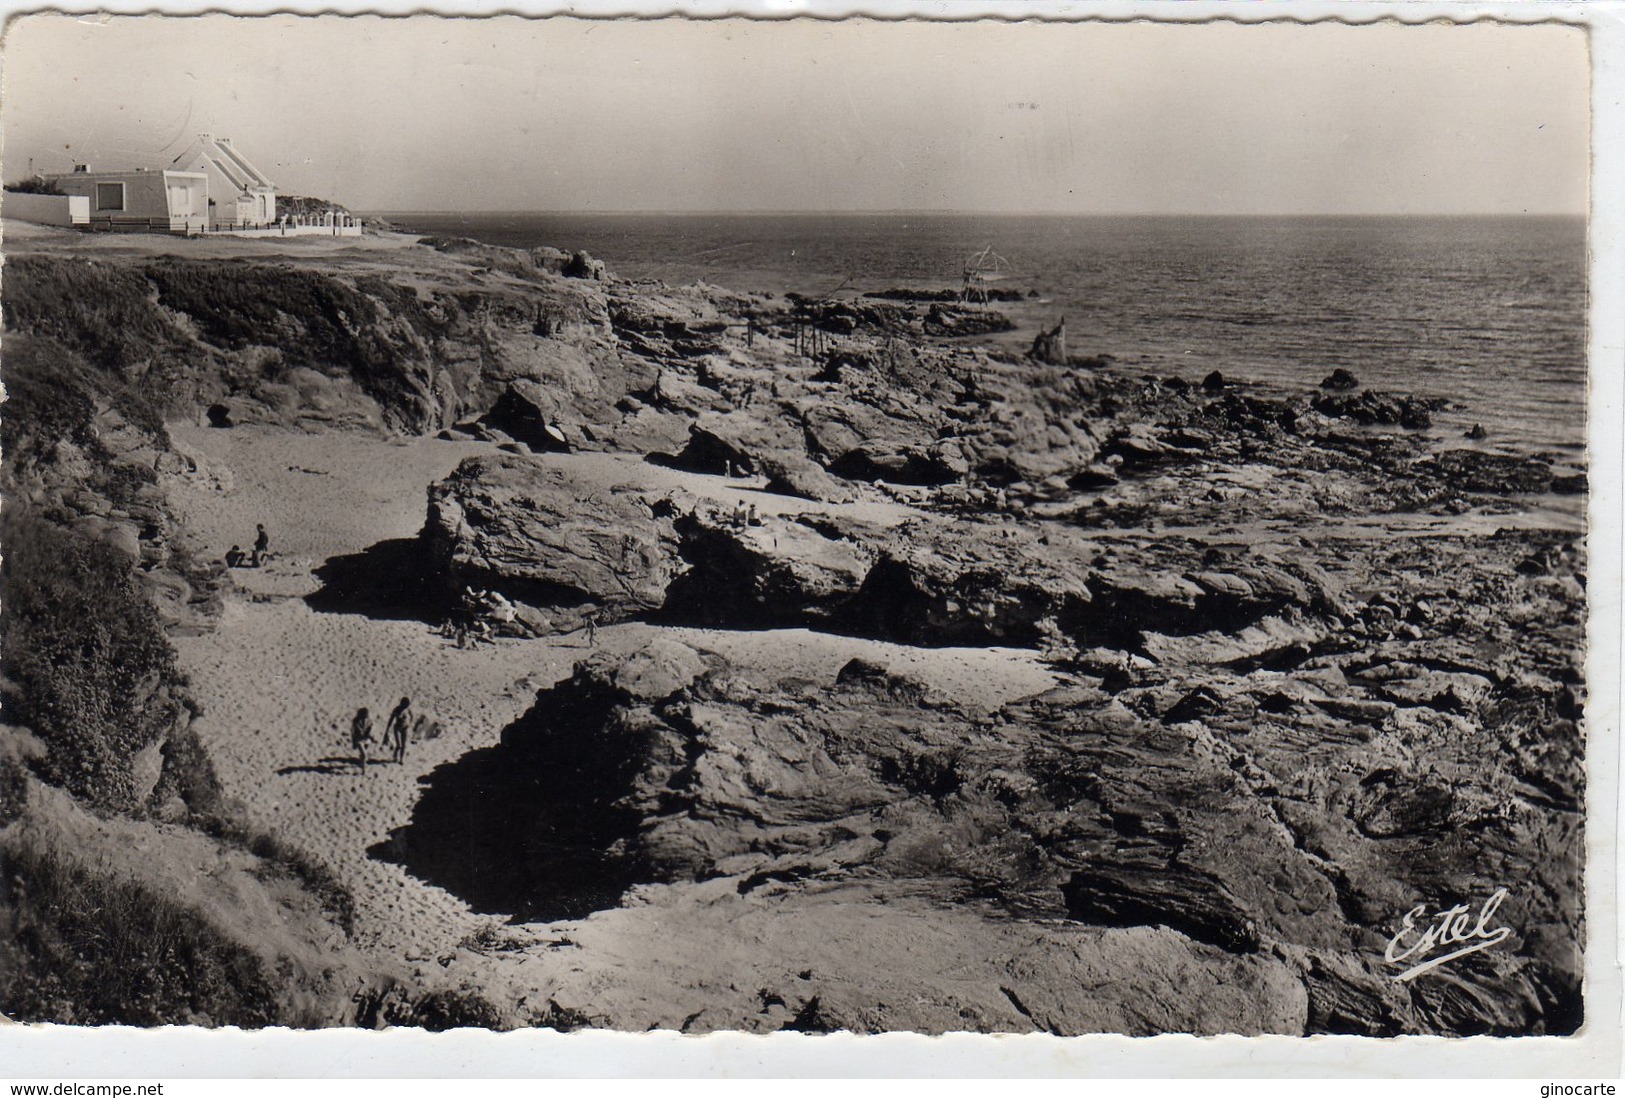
[279,681]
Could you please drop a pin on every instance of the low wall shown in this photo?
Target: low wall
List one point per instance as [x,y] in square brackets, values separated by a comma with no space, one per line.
[46,209]
[292,230]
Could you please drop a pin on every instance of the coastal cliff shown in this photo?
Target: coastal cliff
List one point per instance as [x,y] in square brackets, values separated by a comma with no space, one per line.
[1268,669]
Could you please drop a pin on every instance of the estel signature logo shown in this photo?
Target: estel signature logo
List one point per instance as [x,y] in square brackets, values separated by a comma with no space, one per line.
[1458,927]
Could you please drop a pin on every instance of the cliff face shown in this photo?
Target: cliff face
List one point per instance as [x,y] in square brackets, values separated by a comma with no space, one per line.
[440,335]
[303,344]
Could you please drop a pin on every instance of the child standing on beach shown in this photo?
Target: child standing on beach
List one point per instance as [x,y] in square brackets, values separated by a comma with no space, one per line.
[361,736]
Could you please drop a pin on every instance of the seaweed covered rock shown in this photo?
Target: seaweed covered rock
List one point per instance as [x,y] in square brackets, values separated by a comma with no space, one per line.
[1386,409]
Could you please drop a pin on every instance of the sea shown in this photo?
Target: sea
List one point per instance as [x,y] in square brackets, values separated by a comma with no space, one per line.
[1486,312]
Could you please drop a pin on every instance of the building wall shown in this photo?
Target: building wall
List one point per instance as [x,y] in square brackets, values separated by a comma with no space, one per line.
[259,208]
[46,209]
[144,194]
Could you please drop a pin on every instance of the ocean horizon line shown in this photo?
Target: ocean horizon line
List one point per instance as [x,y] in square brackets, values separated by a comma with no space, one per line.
[1372,216]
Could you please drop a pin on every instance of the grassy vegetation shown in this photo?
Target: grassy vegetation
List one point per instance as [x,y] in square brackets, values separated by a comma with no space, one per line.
[314,875]
[87,666]
[89,948]
[52,394]
[313,320]
[174,331]
[108,314]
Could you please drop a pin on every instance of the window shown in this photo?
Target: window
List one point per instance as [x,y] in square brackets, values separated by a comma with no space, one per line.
[110,196]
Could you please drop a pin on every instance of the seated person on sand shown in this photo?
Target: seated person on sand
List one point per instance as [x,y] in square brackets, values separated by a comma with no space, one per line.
[235,557]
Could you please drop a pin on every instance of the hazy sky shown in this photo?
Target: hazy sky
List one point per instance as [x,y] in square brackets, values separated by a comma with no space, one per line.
[509,114]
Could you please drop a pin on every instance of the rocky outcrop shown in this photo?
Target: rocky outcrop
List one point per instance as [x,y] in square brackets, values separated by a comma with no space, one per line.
[804,479]
[528,413]
[727,445]
[91,454]
[1303,684]
[513,526]
[775,572]
[1370,407]
[519,526]
[1476,471]
[901,463]
[955,321]
[669,767]
[301,343]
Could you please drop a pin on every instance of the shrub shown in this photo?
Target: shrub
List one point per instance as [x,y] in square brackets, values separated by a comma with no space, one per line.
[34,184]
[393,1004]
[85,948]
[298,205]
[188,775]
[47,403]
[87,665]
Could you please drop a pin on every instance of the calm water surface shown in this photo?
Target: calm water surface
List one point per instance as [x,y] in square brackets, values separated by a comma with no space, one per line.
[1487,311]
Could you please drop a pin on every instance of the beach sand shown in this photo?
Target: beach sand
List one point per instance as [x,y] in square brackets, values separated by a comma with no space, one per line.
[279,681]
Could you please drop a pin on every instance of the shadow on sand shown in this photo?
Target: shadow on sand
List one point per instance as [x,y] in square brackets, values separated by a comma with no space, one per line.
[333,764]
[390,580]
[520,831]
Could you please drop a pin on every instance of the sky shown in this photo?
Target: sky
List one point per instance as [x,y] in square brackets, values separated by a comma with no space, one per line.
[735,115]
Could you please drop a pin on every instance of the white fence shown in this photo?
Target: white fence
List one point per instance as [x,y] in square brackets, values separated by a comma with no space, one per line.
[292,230]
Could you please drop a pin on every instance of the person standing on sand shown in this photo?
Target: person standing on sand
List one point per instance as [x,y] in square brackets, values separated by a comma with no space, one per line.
[395,730]
[592,629]
[262,545]
[361,736]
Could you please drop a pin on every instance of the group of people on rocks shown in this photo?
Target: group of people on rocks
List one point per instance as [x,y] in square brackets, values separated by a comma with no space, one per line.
[482,614]
[479,616]
[363,733]
[237,558]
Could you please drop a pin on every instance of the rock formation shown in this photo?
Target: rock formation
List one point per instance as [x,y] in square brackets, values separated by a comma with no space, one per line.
[1311,671]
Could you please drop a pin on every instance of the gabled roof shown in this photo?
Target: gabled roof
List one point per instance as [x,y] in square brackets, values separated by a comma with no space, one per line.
[218,151]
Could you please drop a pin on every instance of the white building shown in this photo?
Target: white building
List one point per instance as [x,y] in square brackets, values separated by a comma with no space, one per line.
[140,199]
[243,198]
